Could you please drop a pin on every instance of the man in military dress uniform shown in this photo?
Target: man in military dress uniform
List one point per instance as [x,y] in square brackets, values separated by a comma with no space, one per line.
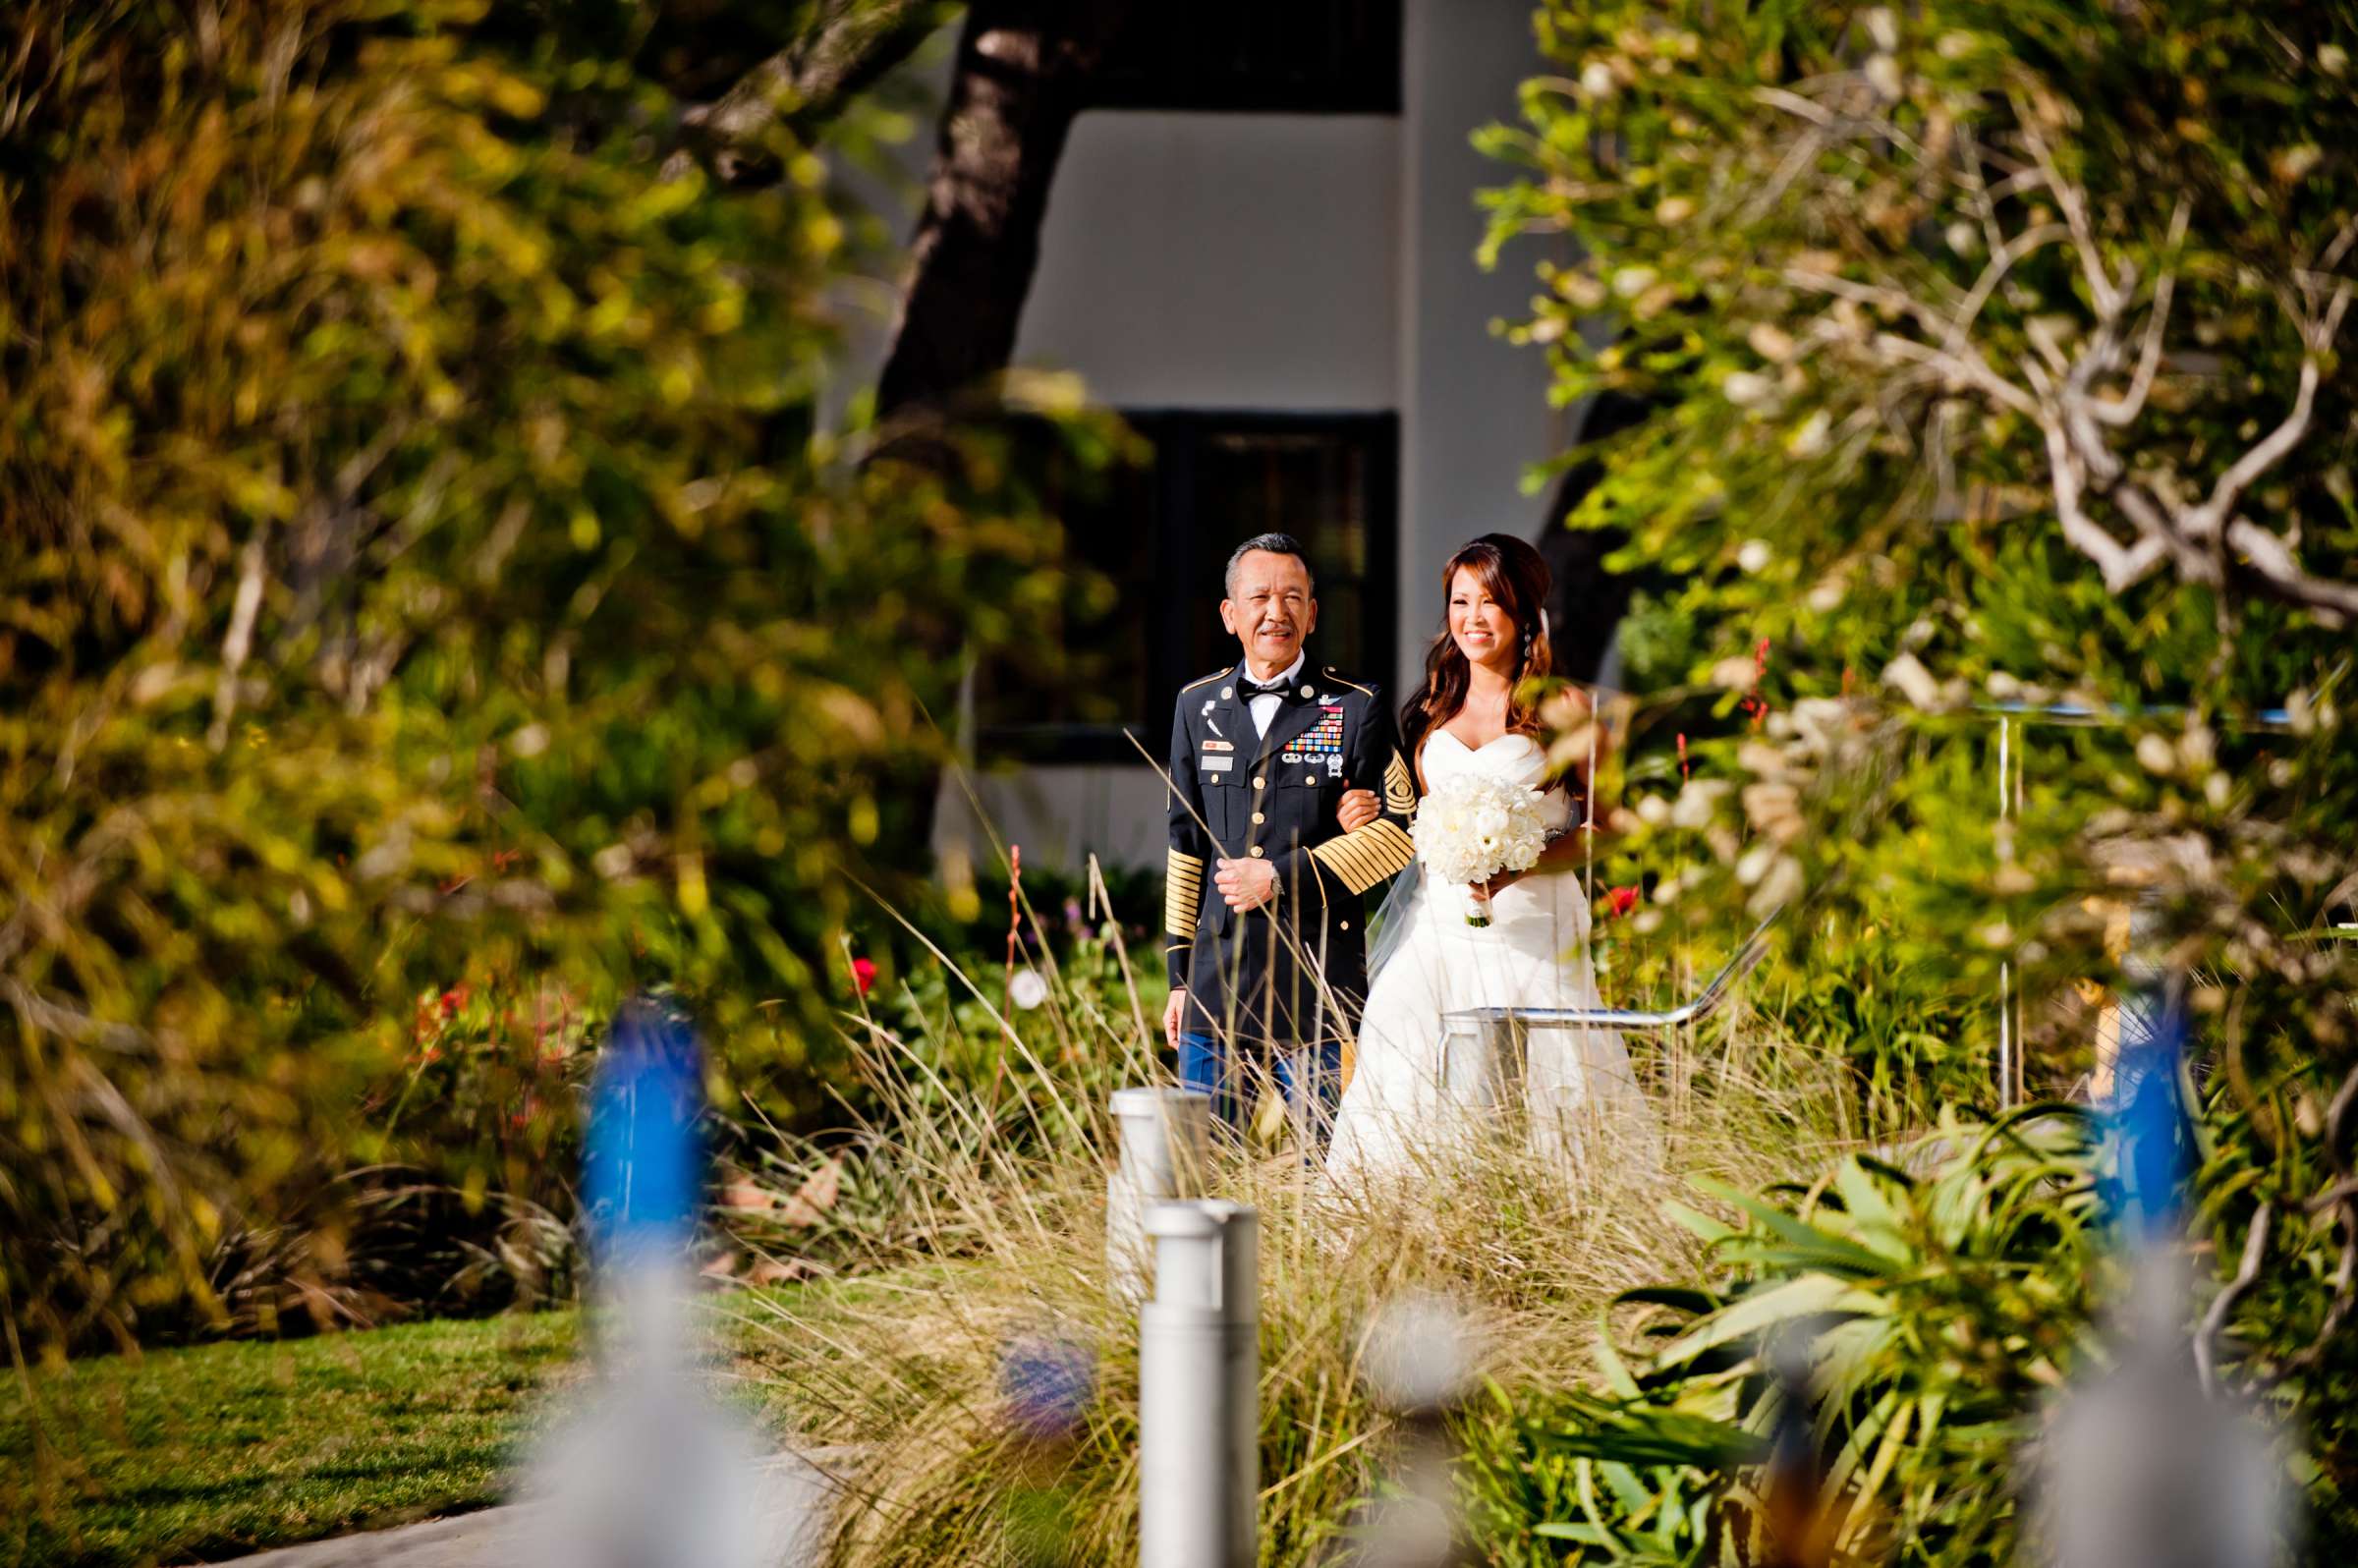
[1267,906]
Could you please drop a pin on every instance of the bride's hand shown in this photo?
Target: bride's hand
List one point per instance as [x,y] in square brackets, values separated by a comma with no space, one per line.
[1358,810]
[1498,884]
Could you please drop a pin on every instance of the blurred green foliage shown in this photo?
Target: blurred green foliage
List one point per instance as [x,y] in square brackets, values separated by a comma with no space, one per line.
[1994,356]
[1775,207]
[430,566]
[1925,1310]
[1018,1060]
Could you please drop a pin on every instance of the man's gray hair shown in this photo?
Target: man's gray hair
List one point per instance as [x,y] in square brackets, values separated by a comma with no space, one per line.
[1273,544]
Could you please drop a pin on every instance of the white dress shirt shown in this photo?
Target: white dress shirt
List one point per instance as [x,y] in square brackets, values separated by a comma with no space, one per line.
[1264,706]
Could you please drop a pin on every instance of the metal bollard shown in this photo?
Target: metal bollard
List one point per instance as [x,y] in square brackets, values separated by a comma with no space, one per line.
[2139,1468]
[1199,1395]
[1165,1149]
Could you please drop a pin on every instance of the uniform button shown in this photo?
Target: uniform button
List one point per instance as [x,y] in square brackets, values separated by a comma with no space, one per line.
[1310,778]
[1346,926]
[1258,818]
[1259,782]
[1306,691]
[1255,852]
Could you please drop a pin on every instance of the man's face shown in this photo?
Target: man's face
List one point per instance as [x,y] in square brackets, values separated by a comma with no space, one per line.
[1271,611]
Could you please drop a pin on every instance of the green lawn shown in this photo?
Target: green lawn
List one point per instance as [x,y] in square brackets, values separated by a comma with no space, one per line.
[179,1455]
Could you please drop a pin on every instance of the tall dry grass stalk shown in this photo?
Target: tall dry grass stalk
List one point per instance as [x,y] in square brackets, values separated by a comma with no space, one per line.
[981,1234]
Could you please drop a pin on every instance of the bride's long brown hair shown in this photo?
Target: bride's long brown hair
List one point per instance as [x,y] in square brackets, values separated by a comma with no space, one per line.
[1514,575]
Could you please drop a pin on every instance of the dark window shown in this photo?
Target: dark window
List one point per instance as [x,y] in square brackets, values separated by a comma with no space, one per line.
[1160,537]
[1276,56]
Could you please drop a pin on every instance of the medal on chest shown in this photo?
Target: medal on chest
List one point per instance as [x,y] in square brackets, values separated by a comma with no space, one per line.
[1322,744]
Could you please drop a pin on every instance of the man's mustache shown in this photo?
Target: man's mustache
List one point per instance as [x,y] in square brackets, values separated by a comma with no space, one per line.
[1275,626]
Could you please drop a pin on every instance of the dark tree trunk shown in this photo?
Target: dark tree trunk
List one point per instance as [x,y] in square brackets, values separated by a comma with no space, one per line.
[1589,601]
[1024,72]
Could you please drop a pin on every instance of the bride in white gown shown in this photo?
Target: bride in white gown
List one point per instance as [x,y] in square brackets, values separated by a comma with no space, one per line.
[1397,1111]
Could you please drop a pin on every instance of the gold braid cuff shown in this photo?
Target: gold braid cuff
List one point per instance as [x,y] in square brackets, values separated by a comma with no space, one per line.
[1182,894]
[1359,859]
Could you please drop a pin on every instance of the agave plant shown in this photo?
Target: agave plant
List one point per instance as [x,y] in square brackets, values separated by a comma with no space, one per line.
[1863,1377]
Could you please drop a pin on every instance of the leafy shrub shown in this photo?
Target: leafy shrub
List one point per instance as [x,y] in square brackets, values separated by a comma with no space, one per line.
[1990,356]
[1932,1310]
[425,548]
[2277,1331]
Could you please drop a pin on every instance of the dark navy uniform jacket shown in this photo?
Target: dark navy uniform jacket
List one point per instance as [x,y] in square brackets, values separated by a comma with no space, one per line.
[1293,972]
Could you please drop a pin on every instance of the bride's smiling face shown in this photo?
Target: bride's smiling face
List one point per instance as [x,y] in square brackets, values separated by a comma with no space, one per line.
[1483,630]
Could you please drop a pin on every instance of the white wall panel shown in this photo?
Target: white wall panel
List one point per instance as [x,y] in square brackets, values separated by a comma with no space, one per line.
[1223,261]
[1474,408]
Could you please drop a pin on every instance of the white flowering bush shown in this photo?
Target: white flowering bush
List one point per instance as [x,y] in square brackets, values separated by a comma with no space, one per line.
[1472,827]
[1934,334]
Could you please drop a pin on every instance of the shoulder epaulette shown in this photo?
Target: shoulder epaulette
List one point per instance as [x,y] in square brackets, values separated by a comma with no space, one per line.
[1341,679]
[1207,681]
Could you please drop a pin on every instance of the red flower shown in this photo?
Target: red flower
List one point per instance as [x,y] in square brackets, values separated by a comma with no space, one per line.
[864,975]
[453,999]
[1753,704]
[1620,901]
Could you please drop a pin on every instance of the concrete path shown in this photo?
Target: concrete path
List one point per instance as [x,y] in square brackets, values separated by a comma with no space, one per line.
[793,1487]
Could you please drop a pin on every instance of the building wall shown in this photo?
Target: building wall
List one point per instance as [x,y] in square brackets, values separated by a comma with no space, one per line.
[1060,815]
[1223,261]
[1473,410]
[1307,263]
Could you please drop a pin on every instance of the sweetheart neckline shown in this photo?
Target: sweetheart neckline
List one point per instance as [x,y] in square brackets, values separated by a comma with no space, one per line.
[1476,750]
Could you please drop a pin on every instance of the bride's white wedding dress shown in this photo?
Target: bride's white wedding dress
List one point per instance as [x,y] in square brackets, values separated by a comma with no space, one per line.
[1397,1112]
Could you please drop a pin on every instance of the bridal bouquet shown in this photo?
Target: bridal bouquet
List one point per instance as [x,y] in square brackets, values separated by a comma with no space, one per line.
[1472,827]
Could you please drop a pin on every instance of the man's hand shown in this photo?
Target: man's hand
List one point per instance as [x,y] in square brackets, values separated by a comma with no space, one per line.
[1359,808]
[1174,1014]
[1247,884]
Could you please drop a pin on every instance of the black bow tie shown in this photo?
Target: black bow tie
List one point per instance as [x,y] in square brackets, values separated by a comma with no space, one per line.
[1278,688]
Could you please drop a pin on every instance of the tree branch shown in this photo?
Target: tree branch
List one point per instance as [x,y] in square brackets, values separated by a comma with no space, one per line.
[849,44]
[1966,370]
[2001,262]
[2269,555]
[2346,1275]
[2102,292]
[2121,565]
[2148,360]
[2072,417]
[2205,522]
[2214,1322]
[2268,558]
